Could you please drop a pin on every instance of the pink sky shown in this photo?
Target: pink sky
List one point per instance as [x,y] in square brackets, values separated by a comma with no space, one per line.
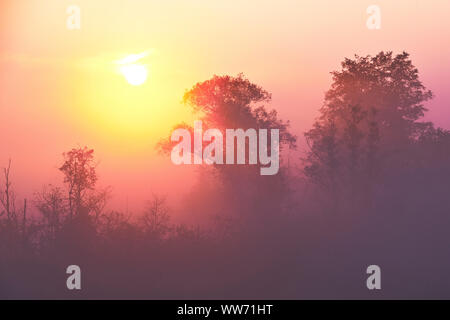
[59,88]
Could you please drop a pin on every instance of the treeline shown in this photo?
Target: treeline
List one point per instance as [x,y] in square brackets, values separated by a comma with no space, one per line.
[79,206]
[371,187]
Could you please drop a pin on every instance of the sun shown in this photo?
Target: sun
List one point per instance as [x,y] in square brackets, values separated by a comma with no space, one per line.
[134,71]
[135,74]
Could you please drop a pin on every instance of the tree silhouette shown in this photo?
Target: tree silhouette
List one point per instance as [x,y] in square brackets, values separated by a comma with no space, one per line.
[51,204]
[369,135]
[7,196]
[226,102]
[369,120]
[79,176]
[155,219]
[14,226]
[234,102]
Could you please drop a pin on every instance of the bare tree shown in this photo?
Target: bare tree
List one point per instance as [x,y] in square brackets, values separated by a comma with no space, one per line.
[50,203]
[97,200]
[15,226]
[7,196]
[156,218]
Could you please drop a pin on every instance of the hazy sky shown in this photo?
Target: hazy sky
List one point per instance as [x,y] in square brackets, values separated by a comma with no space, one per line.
[60,88]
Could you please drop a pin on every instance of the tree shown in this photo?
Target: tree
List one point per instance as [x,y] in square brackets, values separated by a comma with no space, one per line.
[14,226]
[80,176]
[117,230]
[51,204]
[226,102]
[232,102]
[7,196]
[156,218]
[369,120]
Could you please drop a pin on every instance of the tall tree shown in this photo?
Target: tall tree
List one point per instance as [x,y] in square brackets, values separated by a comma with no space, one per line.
[369,119]
[226,102]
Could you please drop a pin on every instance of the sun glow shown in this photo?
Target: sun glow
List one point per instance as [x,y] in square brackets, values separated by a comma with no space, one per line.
[135,74]
[114,103]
